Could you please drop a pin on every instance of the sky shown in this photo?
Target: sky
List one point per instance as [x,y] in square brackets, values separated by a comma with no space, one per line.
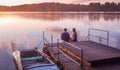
[20,2]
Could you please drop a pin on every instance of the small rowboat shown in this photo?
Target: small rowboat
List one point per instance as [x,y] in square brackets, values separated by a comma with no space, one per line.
[33,59]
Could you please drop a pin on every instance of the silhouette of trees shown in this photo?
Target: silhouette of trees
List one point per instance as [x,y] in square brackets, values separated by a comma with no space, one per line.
[94,6]
[63,7]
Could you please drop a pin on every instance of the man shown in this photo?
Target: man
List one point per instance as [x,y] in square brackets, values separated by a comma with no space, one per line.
[65,35]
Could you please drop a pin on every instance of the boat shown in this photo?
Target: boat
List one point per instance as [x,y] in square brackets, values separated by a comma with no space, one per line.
[33,59]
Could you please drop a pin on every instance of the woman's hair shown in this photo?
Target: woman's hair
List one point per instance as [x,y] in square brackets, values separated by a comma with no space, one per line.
[74,30]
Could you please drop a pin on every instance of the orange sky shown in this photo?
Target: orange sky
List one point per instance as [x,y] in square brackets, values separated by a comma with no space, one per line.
[19,2]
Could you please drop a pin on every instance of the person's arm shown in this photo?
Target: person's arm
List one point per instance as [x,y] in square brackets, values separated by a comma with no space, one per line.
[69,37]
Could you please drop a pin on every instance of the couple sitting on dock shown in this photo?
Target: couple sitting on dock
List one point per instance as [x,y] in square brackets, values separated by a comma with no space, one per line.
[66,36]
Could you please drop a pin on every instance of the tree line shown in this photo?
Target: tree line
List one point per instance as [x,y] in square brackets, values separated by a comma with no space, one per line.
[47,7]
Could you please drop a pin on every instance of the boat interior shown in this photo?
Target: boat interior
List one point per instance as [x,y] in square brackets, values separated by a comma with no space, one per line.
[32,57]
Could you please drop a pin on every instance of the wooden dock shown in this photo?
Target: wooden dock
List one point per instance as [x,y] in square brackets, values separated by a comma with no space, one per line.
[94,56]
[93,53]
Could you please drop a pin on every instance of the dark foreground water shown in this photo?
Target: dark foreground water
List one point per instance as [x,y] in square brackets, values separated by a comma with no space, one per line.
[26,29]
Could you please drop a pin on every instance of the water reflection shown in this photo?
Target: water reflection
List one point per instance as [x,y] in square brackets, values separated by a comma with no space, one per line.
[32,24]
[59,16]
[24,29]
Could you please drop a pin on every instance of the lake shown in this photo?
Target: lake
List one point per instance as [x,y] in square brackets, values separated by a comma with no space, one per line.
[25,29]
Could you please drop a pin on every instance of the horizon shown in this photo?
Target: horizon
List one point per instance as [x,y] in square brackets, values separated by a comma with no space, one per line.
[22,2]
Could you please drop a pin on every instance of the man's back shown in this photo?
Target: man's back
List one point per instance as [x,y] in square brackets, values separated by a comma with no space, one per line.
[65,36]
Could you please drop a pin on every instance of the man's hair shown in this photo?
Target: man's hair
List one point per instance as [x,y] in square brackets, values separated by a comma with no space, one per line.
[65,29]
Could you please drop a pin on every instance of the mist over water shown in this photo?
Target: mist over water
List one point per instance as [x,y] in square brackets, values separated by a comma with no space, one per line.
[24,30]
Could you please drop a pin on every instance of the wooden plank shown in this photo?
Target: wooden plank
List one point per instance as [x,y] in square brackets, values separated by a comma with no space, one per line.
[74,55]
[93,52]
[53,57]
[73,66]
[98,51]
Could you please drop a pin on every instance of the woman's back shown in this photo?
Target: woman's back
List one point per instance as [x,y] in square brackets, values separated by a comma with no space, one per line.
[74,35]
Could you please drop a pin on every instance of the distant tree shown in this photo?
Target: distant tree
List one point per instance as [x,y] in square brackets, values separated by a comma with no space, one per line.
[94,6]
[63,7]
[118,7]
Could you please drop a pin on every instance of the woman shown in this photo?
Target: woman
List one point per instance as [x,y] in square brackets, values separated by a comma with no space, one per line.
[74,35]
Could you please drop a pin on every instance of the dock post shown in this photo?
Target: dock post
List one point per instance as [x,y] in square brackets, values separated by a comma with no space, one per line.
[43,38]
[108,38]
[88,34]
[58,48]
[81,58]
[82,63]
[52,43]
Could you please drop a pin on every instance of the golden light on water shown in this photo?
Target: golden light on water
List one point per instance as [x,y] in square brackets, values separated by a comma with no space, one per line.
[5,21]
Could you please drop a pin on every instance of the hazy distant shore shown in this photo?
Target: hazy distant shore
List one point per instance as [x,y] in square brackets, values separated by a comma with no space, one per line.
[59,7]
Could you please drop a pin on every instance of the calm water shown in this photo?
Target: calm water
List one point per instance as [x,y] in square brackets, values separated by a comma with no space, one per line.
[26,29]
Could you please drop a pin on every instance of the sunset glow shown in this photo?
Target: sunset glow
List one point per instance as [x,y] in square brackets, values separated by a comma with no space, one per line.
[5,21]
[20,2]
